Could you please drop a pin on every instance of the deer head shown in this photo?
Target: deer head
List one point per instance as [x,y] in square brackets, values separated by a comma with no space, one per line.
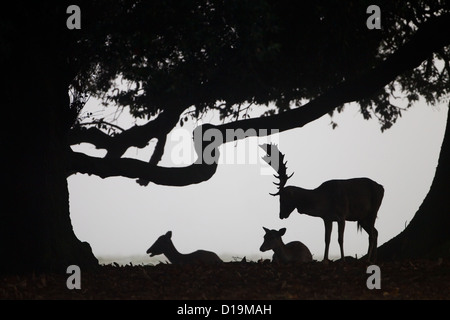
[160,244]
[276,160]
[272,239]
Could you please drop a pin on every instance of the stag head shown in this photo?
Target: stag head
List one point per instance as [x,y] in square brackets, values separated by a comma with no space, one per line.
[276,160]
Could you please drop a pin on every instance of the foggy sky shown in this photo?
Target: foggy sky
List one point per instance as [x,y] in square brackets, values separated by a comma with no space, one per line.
[226,214]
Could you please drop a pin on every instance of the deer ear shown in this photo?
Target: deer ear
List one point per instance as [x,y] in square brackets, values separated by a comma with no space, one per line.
[266,230]
[169,234]
[282,231]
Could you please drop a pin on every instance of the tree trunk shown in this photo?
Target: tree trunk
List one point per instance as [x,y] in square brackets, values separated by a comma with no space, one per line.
[428,234]
[36,233]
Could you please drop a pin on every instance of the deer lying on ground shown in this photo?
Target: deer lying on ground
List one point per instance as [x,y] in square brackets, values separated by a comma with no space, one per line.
[164,245]
[355,199]
[294,251]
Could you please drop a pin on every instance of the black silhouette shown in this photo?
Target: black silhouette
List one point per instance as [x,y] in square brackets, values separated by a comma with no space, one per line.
[175,55]
[164,245]
[294,251]
[336,200]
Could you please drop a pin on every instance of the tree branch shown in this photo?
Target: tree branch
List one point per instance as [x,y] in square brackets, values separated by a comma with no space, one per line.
[136,169]
[101,122]
[137,136]
[92,135]
[155,158]
[159,150]
[408,57]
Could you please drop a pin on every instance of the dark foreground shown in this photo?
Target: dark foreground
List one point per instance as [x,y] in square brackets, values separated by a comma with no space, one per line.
[424,279]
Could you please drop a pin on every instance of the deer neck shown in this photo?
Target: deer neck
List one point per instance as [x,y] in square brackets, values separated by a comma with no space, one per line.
[280,251]
[172,253]
[308,201]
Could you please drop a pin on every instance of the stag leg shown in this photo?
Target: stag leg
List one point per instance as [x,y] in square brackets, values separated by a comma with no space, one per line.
[328,228]
[341,227]
[373,238]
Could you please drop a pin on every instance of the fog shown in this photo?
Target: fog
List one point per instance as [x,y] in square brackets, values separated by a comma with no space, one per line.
[121,219]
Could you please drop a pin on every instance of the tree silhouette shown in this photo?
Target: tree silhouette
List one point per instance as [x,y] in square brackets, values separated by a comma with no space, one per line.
[307,58]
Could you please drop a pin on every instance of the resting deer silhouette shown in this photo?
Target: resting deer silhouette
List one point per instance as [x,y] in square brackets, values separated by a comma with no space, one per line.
[355,199]
[164,245]
[294,251]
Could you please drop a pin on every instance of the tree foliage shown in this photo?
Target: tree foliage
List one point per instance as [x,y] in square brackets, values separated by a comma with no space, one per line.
[162,58]
[175,55]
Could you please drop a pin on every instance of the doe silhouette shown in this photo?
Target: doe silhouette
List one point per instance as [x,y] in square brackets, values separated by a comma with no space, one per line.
[164,245]
[294,251]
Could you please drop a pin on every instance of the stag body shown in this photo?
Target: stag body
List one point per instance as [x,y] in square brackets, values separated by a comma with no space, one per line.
[294,251]
[164,245]
[355,199]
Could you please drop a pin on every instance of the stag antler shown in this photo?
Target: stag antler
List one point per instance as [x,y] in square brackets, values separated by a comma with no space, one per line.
[276,160]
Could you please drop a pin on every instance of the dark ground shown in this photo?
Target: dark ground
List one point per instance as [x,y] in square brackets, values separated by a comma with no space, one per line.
[421,279]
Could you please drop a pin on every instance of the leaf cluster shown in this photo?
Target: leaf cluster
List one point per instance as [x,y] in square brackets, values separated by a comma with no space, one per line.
[158,55]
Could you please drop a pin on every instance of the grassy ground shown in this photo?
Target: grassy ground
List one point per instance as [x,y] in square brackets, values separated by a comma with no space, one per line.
[421,279]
